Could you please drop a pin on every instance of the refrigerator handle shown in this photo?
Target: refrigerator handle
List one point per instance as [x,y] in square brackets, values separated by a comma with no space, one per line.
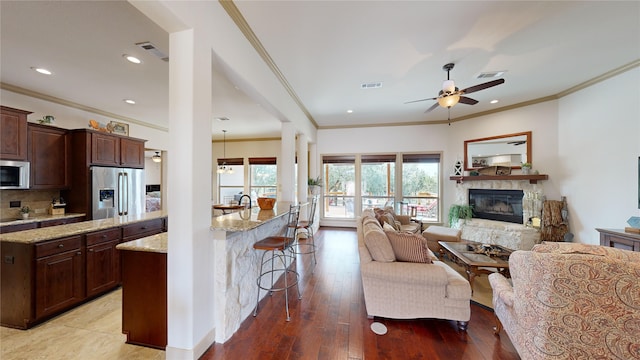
[126,187]
[120,193]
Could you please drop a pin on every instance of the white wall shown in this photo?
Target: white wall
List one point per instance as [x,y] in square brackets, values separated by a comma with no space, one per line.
[71,118]
[597,159]
[152,172]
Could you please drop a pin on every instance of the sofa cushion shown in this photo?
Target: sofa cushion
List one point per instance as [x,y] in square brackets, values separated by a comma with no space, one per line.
[409,247]
[378,243]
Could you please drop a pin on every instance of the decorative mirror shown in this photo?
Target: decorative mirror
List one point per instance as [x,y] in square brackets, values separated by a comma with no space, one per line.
[503,150]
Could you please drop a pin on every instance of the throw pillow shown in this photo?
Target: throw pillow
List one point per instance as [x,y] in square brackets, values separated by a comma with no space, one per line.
[388,227]
[409,247]
[389,219]
[378,245]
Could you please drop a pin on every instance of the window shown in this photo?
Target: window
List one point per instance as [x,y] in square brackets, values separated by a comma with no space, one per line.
[377,180]
[339,186]
[420,186]
[231,184]
[263,177]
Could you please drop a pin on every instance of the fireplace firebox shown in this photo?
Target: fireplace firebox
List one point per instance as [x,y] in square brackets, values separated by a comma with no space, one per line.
[499,205]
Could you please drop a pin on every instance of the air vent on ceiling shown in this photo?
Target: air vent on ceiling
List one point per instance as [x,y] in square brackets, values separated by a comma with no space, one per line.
[489,75]
[148,46]
[373,85]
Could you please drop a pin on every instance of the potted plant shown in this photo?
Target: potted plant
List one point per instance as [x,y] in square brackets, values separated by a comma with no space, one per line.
[25,210]
[315,184]
[526,168]
[459,212]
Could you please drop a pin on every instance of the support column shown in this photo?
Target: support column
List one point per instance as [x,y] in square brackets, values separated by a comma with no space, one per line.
[287,163]
[189,266]
[303,169]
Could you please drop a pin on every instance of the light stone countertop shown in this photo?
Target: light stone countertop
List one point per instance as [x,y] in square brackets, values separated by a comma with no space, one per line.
[245,220]
[41,217]
[53,232]
[154,243]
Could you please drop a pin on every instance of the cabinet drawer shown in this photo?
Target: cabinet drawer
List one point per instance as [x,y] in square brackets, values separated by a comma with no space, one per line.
[58,246]
[103,236]
[142,228]
[55,222]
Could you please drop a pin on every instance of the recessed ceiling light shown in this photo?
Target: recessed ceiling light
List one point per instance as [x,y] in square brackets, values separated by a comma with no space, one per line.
[129,101]
[42,71]
[349,111]
[495,101]
[132,59]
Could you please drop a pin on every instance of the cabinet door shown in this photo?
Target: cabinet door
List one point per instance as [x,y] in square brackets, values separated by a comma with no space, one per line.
[103,267]
[13,134]
[132,153]
[105,149]
[48,150]
[59,282]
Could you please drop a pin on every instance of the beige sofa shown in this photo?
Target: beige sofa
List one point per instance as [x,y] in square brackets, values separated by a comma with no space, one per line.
[571,301]
[408,290]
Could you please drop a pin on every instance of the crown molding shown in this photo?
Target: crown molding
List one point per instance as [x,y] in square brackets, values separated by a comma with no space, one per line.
[241,23]
[71,104]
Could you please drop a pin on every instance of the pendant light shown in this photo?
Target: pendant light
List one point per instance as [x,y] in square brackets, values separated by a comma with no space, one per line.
[224,169]
[157,158]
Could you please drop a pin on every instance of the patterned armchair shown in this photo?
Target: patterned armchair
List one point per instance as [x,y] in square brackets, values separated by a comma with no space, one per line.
[570,301]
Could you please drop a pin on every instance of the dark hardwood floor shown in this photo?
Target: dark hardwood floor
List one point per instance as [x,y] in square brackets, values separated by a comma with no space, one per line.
[330,322]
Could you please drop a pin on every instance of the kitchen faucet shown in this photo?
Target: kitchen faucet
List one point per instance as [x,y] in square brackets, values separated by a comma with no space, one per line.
[242,197]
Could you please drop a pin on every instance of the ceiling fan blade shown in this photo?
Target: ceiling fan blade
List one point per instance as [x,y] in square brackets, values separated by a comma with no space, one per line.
[483,86]
[432,107]
[468,101]
[409,102]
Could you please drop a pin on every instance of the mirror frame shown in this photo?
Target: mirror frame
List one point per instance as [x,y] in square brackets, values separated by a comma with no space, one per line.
[467,142]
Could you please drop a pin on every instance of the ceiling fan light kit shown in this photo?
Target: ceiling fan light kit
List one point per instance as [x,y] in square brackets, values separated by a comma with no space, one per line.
[450,95]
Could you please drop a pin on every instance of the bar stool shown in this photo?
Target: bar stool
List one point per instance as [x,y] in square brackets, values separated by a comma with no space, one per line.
[277,247]
[306,245]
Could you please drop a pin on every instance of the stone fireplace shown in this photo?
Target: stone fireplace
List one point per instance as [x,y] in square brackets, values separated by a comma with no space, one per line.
[511,234]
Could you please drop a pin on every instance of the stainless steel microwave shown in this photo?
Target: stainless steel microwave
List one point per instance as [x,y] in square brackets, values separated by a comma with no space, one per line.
[14,174]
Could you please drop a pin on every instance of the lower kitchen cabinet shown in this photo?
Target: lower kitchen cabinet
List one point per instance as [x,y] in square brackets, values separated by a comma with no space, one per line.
[103,261]
[40,280]
[59,275]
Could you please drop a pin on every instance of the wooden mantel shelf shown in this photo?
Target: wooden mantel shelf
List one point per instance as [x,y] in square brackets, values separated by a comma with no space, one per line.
[533,179]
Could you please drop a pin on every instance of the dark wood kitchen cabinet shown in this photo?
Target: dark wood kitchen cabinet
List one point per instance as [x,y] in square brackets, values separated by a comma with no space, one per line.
[13,133]
[48,153]
[142,229]
[111,150]
[103,261]
[59,275]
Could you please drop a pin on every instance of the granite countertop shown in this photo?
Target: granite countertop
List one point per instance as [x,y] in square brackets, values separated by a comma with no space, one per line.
[41,217]
[245,220]
[154,243]
[54,232]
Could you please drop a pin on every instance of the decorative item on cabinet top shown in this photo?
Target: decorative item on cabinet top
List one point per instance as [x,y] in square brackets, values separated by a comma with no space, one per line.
[113,127]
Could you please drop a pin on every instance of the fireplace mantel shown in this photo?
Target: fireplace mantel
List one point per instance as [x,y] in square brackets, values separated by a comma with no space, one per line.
[533,179]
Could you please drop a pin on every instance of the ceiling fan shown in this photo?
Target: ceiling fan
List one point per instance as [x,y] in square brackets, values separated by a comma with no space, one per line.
[451,95]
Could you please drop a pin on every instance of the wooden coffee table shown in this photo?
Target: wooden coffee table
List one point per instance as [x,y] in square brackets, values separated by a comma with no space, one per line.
[475,257]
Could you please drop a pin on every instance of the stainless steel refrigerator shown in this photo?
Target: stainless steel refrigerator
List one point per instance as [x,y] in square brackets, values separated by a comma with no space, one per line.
[117,192]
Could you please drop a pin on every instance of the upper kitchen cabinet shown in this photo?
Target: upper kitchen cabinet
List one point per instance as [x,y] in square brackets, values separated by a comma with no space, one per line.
[13,134]
[48,152]
[106,149]
[113,150]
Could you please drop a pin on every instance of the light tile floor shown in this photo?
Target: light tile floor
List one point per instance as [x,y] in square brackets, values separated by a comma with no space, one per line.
[90,331]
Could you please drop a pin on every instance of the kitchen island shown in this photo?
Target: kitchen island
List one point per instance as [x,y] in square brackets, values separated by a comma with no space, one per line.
[144,290]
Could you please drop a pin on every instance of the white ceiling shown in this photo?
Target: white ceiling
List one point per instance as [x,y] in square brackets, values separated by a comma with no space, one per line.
[326,50]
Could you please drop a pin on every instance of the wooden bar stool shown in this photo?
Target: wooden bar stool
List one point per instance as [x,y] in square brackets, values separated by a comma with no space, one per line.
[276,248]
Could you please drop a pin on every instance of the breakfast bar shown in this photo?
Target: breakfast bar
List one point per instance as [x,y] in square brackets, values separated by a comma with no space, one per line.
[236,262]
